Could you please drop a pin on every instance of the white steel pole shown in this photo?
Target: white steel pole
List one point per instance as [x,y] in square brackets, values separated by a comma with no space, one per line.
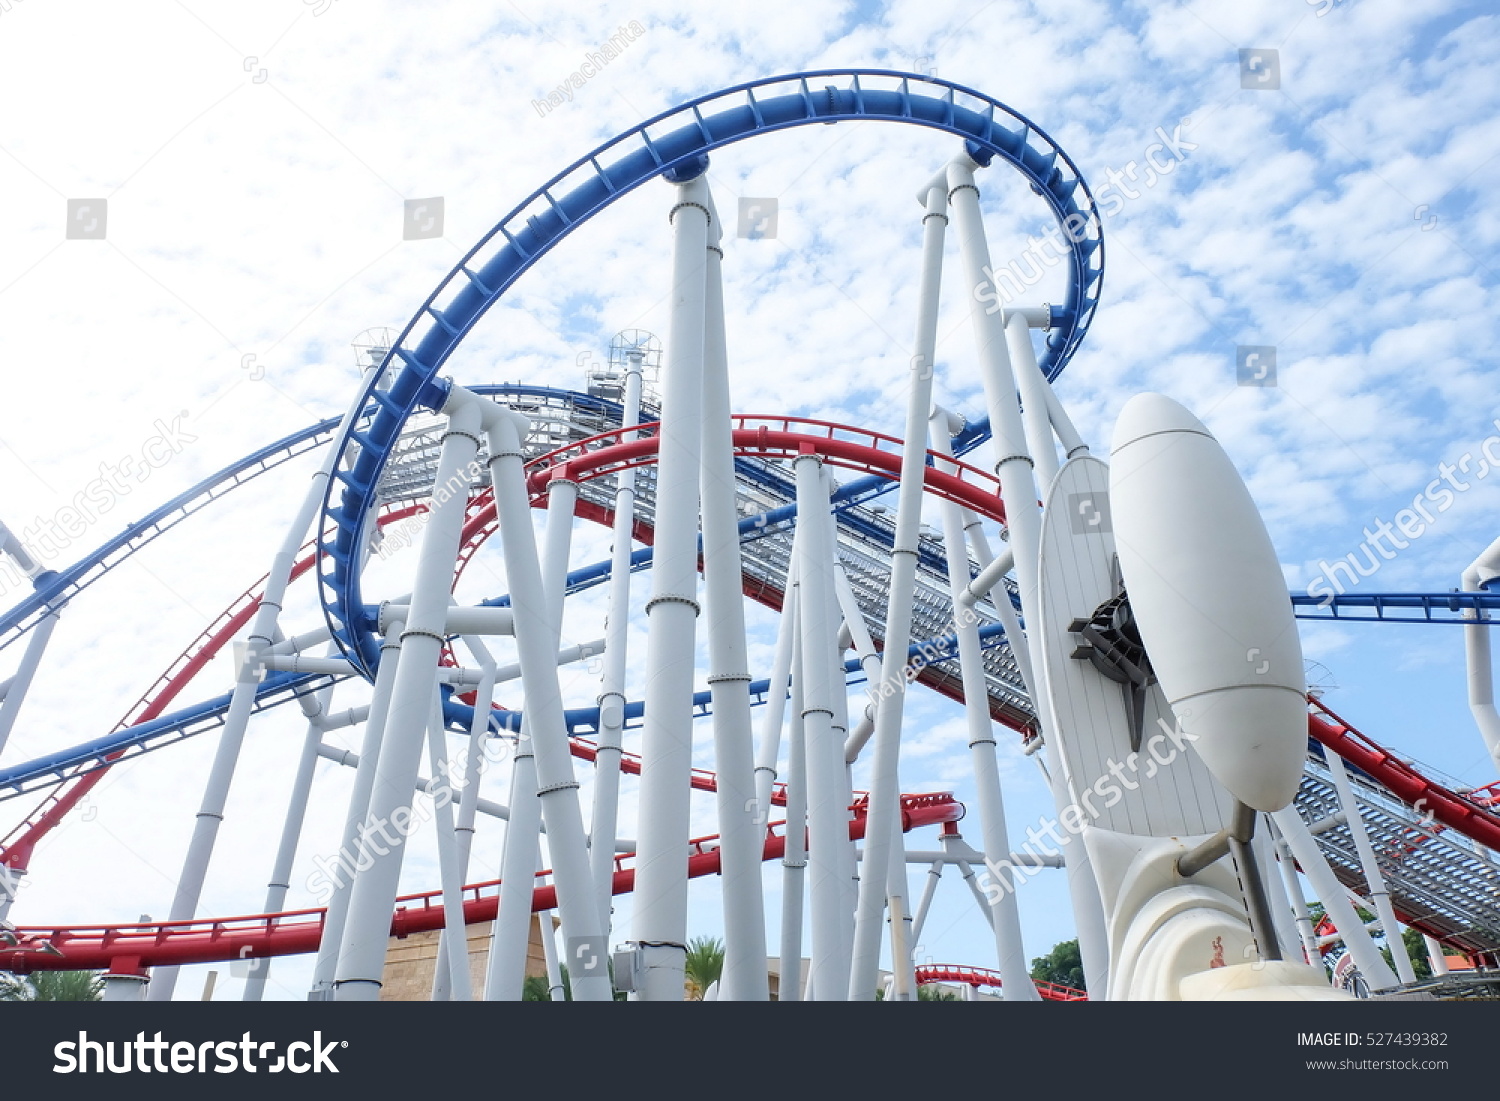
[1035,414]
[474,758]
[924,905]
[1305,931]
[838,766]
[547,934]
[741,836]
[373,895]
[538,607]
[226,755]
[1437,959]
[1331,893]
[1062,424]
[603,822]
[337,913]
[1264,846]
[1477,653]
[454,940]
[506,972]
[1009,946]
[776,695]
[885,792]
[794,858]
[124,987]
[1013,463]
[1013,467]
[20,684]
[659,926]
[510,935]
[314,708]
[1379,897]
[827,806]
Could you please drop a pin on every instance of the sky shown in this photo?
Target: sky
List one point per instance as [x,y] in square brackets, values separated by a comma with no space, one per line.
[1332,199]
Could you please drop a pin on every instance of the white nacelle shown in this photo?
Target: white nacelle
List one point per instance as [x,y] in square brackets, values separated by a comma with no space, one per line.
[1210,600]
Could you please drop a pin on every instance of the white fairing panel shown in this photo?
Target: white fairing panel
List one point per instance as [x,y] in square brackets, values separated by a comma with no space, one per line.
[1164,790]
[1209,599]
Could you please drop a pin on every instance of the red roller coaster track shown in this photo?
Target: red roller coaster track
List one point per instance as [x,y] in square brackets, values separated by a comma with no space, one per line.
[132,947]
[980,976]
[128,949]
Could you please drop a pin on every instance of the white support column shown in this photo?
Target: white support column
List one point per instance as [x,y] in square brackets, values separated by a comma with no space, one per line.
[231,737]
[838,766]
[547,934]
[474,757]
[314,708]
[1036,416]
[505,975]
[741,836]
[1331,893]
[776,697]
[343,864]
[1264,846]
[827,806]
[603,822]
[14,690]
[1013,464]
[373,895]
[659,925]
[1062,424]
[20,684]
[454,941]
[1379,897]
[1477,653]
[10,885]
[934,874]
[125,987]
[1014,468]
[538,605]
[794,859]
[1437,959]
[885,794]
[1286,862]
[1015,974]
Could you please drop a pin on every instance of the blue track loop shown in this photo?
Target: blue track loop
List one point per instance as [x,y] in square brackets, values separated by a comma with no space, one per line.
[669,142]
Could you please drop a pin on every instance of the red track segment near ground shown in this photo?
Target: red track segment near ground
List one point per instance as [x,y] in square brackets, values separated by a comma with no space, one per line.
[126,949]
[981,976]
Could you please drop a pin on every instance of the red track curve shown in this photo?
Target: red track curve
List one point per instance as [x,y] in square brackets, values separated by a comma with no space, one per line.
[981,976]
[598,456]
[128,949]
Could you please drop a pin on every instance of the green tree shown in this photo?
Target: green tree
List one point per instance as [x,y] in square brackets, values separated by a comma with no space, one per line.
[52,986]
[1063,965]
[704,965]
[1416,951]
[928,992]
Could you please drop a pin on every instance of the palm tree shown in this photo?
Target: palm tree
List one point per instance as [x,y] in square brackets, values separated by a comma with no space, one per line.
[704,965]
[52,986]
